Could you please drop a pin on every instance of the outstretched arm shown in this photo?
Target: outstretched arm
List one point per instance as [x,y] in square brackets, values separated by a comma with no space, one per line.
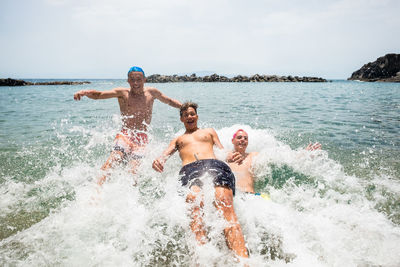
[158,164]
[165,99]
[94,94]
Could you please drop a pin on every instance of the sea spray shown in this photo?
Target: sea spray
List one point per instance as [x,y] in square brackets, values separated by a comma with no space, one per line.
[316,211]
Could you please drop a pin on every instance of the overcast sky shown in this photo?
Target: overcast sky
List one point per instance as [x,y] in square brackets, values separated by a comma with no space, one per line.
[103,39]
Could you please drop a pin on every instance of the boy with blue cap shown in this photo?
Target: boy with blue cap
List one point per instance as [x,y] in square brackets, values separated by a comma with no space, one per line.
[136,106]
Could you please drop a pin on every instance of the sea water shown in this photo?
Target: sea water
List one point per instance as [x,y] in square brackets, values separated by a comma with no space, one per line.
[339,206]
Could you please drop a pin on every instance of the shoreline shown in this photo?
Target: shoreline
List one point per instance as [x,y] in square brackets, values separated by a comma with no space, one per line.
[158,78]
[15,82]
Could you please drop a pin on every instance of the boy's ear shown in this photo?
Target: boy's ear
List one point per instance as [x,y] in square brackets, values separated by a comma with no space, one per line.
[181,118]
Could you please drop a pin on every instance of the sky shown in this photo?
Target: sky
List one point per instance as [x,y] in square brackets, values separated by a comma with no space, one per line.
[103,39]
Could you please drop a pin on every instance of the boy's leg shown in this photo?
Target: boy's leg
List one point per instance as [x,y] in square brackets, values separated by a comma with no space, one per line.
[233,232]
[134,164]
[197,204]
[136,154]
[115,157]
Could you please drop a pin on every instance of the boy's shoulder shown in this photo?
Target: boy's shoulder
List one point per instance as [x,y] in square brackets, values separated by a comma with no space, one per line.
[151,89]
[210,130]
[121,89]
[207,129]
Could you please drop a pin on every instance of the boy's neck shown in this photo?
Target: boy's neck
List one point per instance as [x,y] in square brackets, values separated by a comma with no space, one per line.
[192,130]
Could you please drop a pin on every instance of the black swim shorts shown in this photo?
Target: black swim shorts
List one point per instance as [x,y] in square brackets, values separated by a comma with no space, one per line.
[219,170]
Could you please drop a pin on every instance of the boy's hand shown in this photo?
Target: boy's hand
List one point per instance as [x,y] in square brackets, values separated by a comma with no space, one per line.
[236,157]
[79,94]
[312,147]
[158,164]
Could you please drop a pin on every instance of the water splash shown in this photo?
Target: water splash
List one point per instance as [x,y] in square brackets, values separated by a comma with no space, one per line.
[317,211]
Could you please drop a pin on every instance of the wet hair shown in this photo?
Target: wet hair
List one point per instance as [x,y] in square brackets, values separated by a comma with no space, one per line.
[185,106]
[240,130]
[138,69]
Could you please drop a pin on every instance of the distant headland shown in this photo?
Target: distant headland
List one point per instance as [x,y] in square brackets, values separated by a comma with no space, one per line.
[13,82]
[157,78]
[384,69]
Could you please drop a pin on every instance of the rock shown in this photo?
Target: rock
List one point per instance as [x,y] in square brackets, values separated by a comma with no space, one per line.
[13,82]
[157,78]
[384,69]
[60,83]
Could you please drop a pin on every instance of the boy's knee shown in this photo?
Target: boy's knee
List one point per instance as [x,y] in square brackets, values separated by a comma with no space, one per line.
[190,198]
[223,197]
[193,194]
[232,227]
[117,155]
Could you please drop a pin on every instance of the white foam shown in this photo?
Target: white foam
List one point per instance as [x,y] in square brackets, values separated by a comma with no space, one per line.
[329,222]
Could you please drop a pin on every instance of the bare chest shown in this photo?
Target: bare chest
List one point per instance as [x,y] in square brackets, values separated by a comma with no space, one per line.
[244,166]
[136,104]
[194,139]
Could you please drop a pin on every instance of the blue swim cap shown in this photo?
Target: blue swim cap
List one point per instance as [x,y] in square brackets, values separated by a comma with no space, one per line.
[139,69]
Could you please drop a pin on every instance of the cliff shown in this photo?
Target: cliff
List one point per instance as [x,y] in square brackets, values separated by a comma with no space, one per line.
[384,69]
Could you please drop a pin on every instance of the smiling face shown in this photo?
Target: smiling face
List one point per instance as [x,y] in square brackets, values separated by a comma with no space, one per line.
[240,141]
[189,118]
[136,80]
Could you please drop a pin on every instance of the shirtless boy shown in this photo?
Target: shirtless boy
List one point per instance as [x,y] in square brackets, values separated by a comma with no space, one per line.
[136,106]
[196,151]
[241,162]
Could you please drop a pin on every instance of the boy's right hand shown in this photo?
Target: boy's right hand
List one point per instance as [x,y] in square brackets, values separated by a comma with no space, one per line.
[81,93]
[158,164]
[235,157]
[312,147]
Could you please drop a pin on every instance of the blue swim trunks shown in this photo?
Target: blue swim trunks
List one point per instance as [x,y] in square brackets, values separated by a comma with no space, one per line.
[219,170]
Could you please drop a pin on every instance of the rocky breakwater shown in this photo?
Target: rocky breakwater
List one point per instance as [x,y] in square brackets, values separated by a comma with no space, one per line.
[157,78]
[13,82]
[384,69]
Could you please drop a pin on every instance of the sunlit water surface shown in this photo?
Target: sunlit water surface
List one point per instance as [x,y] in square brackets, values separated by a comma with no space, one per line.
[339,206]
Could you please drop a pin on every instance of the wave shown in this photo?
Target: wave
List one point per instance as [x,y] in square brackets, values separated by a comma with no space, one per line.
[316,211]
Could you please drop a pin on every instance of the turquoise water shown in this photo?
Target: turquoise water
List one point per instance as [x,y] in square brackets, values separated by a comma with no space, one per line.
[344,199]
